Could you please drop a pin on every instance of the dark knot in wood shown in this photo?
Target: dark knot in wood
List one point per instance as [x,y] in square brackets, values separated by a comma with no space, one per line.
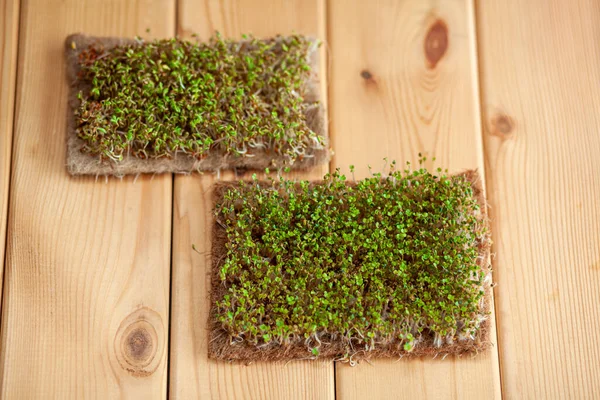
[436,43]
[140,342]
[365,74]
[502,125]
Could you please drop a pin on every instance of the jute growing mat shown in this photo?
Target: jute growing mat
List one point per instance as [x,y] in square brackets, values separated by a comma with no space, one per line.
[230,343]
[80,162]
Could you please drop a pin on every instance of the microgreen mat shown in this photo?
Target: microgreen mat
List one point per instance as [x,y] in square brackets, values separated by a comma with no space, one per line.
[166,97]
[337,267]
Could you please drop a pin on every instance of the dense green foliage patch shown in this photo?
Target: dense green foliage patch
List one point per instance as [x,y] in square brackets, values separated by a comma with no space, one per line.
[157,99]
[383,260]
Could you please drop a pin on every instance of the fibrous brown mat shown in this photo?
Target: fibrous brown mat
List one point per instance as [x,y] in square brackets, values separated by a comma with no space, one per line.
[80,163]
[220,347]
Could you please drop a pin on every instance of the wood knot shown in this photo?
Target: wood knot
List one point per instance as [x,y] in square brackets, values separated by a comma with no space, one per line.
[369,79]
[502,125]
[436,43]
[140,342]
[365,74]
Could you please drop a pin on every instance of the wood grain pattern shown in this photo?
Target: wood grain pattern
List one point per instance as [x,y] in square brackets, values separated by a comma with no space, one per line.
[9,33]
[404,81]
[540,79]
[86,299]
[192,374]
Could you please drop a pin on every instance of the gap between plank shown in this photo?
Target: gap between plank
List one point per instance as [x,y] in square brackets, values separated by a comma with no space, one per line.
[173,177]
[486,176]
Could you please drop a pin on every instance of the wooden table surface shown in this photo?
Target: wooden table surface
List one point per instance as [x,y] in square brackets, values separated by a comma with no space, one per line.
[104,297]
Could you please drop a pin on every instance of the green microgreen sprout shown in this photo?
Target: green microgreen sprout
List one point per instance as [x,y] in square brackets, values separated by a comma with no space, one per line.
[378,262]
[171,96]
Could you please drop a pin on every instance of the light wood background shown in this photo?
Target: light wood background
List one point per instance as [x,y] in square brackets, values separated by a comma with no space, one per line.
[103,296]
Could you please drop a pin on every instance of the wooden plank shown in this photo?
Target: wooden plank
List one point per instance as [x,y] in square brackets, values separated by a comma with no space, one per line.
[404,81]
[9,33]
[192,374]
[540,80]
[86,300]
